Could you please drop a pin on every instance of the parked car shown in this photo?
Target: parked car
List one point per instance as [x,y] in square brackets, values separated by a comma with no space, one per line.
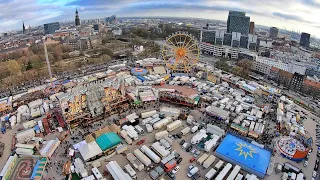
[182,142]
[190,167]
[195,176]
[179,160]
[314,174]
[193,151]
[192,159]
[176,169]
[305,164]
[188,149]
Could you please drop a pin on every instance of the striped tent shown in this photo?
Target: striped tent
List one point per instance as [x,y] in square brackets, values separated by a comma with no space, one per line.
[39,168]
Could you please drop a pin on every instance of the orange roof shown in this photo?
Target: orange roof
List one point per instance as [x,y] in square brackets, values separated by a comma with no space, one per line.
[274,69]
[312,83]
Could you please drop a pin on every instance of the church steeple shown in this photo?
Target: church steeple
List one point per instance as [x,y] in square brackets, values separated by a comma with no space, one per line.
[23,28]
[77,19]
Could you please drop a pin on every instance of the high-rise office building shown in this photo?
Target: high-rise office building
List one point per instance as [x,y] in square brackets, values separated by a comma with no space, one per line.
[207,36]
[238,22]
[273,34]
[251,29]
[227,39]
[305,39]
[112,19]
[50,28]
[77,19]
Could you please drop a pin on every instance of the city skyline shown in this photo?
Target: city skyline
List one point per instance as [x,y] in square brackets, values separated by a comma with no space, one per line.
[300,15]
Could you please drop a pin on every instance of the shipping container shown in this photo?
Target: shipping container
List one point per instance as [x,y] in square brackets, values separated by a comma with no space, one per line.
[174,125]
[142,157]
[207,163]
[153,156]
[224,172]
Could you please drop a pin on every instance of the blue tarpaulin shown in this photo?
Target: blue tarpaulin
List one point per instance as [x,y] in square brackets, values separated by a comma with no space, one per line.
[250,157]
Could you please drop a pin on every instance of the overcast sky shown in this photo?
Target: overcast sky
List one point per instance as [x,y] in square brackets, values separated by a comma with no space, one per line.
[298,15]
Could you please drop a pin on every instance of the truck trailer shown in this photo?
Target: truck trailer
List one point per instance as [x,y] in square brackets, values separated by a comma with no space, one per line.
[174,125]
[207,163]
[142,157]
[153,156]
[202,158]
[135,162]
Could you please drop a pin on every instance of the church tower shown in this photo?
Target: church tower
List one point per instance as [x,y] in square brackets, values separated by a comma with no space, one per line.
[23,28]
[77,19]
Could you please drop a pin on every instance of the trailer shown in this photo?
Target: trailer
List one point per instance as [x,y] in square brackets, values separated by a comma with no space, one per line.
[146,121]
[25,135]
[143,158]
[128,140]
[160,150]
[219,165]
[155,120]
[139,130]
[160,135]
[224,172]
[210,174]
[208,145]
[96,173]
[135,162]
[153,156]
[239,177]
[149,128]
[194,129]
[132,133]
[234,172]
[185,131]
[116,171]
[174,125]
[23,151]
[165,144]
[132,173]
[202,134]
[202,158]
[25,146]
[173,112]
[162,123]
[207,163]
[166,159]
[29,124]
[148,114]
[169,140]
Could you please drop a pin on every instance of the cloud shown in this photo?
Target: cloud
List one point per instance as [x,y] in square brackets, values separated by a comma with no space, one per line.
[289,17]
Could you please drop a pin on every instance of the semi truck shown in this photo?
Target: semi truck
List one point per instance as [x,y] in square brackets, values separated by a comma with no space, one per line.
[165,160]
[174,125]
[142,157]
[132,173]
[148,114]
[207,163]
[135,162]
[153,156]
[170,165]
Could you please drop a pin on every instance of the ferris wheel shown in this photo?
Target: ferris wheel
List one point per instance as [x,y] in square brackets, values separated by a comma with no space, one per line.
[180,52]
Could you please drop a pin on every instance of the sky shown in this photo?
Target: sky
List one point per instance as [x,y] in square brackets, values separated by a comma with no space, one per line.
[298,15]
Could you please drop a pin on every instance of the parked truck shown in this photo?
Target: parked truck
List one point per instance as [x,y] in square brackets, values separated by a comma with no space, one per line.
[199,136]
[135,162]
[130,171]
[174,125]
[149,128]
[209,161]
[132,133]
[234,172]
[160,150]
[148,114]
[224,172]
[202,158]
[142,157]
[153,156]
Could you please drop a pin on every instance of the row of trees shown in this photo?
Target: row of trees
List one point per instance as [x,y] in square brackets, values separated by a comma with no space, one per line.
[242,68]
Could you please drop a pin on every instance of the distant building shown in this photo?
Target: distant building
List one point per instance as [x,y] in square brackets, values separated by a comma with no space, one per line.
[311,87]
[51,27]
[305,39]
[112,19]
[273,34]
[238,22]
[23,28]
[77,19]
[251,29]
[297,81]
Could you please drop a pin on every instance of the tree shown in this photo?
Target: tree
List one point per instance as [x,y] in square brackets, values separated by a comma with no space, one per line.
[107,51]
[34,58]
[14,67]
[106,58]
[222,65]
[24,60]
[29,66]
[57,53]
[66,48]
[245,64]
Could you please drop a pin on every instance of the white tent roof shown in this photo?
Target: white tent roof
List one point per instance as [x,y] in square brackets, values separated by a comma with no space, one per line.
[89,150]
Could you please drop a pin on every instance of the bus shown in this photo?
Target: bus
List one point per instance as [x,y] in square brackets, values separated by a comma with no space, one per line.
[96,173]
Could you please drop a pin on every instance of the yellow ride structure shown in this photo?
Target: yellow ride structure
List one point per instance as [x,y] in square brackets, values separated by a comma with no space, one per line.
[180,52]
